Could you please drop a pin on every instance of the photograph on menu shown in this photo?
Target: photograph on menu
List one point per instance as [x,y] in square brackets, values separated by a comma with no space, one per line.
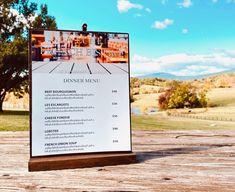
[74,52]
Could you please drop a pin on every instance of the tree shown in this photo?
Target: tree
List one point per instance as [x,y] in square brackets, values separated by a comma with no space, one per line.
[163,99]
[180,95]
[43,20]
[16,17]
[135,82]
[132,99]
[13,70]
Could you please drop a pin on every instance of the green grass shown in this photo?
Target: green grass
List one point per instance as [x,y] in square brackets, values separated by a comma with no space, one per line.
[222,100]
[14,121]
[157,122]
[19,121]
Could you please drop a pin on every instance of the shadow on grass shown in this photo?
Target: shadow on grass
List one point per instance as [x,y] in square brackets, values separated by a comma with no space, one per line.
[144,156]
[14,113]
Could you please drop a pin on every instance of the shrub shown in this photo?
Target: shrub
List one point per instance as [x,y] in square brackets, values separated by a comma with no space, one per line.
[180,95]
[132,99]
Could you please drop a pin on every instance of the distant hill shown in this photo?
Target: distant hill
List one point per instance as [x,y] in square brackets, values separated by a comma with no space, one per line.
[170,76]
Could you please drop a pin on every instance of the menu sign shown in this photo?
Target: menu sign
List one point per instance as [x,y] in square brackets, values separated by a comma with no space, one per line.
[79,92]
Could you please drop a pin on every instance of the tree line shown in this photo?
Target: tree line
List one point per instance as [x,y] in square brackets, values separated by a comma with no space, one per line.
[16,18]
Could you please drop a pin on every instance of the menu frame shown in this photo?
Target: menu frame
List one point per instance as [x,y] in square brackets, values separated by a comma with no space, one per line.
[30,92]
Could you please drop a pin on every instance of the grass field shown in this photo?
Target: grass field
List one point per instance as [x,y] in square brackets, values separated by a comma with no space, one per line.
[157,122]
[19,121]
[221,97]
[14,121]
[222,100]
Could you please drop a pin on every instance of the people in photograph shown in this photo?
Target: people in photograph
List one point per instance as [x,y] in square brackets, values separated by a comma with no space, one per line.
[123,52]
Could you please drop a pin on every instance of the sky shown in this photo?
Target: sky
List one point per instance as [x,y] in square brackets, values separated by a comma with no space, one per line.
[181,37]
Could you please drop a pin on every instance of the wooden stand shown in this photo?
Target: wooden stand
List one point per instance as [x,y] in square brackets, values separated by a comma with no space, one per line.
[80,161]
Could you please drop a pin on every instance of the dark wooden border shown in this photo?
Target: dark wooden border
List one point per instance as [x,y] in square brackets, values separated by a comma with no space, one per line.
[30,84]
[80,161]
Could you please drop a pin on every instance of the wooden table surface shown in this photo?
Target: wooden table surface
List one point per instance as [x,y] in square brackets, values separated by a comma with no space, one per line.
[167,161]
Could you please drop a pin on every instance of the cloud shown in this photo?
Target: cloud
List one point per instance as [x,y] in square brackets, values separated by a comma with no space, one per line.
[184,64]
[185,4]
[148,10]
[162,24]
[194,70]
[229,53]
[126,5]
[137,15]
[214,1]
[231,1]
[185,31]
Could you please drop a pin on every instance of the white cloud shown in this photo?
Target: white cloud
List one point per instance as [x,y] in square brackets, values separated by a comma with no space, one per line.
[185,4]
[229,53]
[214,1]
[148,10]
[194,70]
[126,5]
[162,24]
[137,15]
[185,31]
[184,64]
[231,1]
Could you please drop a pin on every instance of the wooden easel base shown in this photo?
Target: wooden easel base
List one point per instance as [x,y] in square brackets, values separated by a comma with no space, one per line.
[80,161]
